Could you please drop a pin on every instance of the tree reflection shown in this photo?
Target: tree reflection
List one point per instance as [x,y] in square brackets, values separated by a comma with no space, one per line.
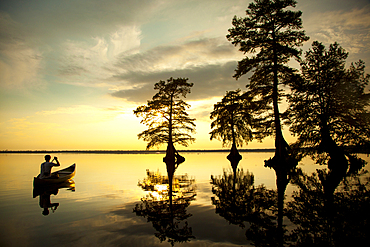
[317,218]
[45,191]
[166,208]
[340,221]
[329,113]
[243,204]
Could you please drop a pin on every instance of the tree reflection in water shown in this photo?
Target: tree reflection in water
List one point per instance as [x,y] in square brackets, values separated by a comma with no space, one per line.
[243,204]
[339,221]
[315,217]
[167,216]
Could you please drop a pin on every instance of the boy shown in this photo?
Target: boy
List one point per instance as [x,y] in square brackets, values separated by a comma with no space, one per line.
[47,165]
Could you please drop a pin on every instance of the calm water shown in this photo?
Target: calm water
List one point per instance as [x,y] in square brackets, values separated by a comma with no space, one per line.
[98,209]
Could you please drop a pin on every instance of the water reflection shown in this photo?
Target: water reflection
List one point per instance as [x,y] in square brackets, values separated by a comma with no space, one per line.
[165,208]
[329,207]
[242,203]
[330,210]
[100,214]
[45,191]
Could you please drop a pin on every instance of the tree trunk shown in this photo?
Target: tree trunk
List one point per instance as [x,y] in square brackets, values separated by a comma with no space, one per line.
[170,165]
[234,157]
[170,159]
[280,162]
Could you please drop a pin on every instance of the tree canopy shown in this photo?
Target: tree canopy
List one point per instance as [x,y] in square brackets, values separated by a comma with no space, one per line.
[166,116]
[270,36]
[328,104]
[232,119]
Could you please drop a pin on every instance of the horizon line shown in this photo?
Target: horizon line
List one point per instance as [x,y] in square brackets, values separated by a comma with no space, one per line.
[137,151]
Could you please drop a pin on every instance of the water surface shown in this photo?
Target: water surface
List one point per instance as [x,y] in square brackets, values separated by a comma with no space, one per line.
[98,209]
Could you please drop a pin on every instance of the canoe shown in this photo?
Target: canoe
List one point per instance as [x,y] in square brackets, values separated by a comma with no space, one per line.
[39,189]
[64,175]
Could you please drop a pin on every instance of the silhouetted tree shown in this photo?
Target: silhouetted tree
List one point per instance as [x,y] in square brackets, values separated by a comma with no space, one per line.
[166,116]
[328,106]
[273,32]
[328,112]
[232,121]
[168,121]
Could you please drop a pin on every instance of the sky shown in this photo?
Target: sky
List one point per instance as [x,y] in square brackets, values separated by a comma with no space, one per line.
[73,71]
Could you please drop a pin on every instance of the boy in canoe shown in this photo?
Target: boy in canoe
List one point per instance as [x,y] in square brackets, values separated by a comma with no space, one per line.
[46,167]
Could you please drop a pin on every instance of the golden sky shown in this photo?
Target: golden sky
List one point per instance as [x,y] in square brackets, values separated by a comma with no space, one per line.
[71,72]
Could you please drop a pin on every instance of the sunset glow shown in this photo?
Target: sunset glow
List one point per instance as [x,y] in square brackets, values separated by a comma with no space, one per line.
[71,74]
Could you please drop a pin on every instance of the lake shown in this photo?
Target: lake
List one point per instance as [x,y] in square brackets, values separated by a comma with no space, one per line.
[110,201]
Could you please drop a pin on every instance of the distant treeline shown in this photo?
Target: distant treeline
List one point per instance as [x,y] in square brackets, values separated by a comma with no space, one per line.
[363,149]
[131,151]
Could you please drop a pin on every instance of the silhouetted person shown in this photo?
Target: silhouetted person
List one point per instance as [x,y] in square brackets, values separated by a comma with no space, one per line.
[45,202]
[47,165]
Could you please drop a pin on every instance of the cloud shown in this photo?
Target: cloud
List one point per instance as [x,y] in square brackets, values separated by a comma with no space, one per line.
[70,42]
[188,54]
[20,63]
[89,63]
[209,81]
[25,126]
[53,20]
[201,109]
[350,28]
[208,63]
[86,113]
[72,70]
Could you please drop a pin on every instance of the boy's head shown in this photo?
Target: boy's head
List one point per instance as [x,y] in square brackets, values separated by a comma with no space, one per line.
[47,158]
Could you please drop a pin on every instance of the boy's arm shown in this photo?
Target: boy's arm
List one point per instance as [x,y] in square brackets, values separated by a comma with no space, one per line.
[56,159]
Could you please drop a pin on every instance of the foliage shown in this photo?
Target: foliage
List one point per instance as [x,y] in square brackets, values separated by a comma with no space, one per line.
[166,116]
[232,119]
[328,105]
[271,33]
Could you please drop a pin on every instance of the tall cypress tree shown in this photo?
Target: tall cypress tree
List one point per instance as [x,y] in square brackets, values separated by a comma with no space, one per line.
[270,36]
[329,113]
[166,116]
[329,106]
[167,121]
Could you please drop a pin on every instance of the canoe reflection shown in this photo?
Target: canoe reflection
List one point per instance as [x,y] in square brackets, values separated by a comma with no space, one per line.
[167,216]
[45,192]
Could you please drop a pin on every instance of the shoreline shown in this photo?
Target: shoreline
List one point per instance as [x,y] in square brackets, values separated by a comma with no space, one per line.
[130,151]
